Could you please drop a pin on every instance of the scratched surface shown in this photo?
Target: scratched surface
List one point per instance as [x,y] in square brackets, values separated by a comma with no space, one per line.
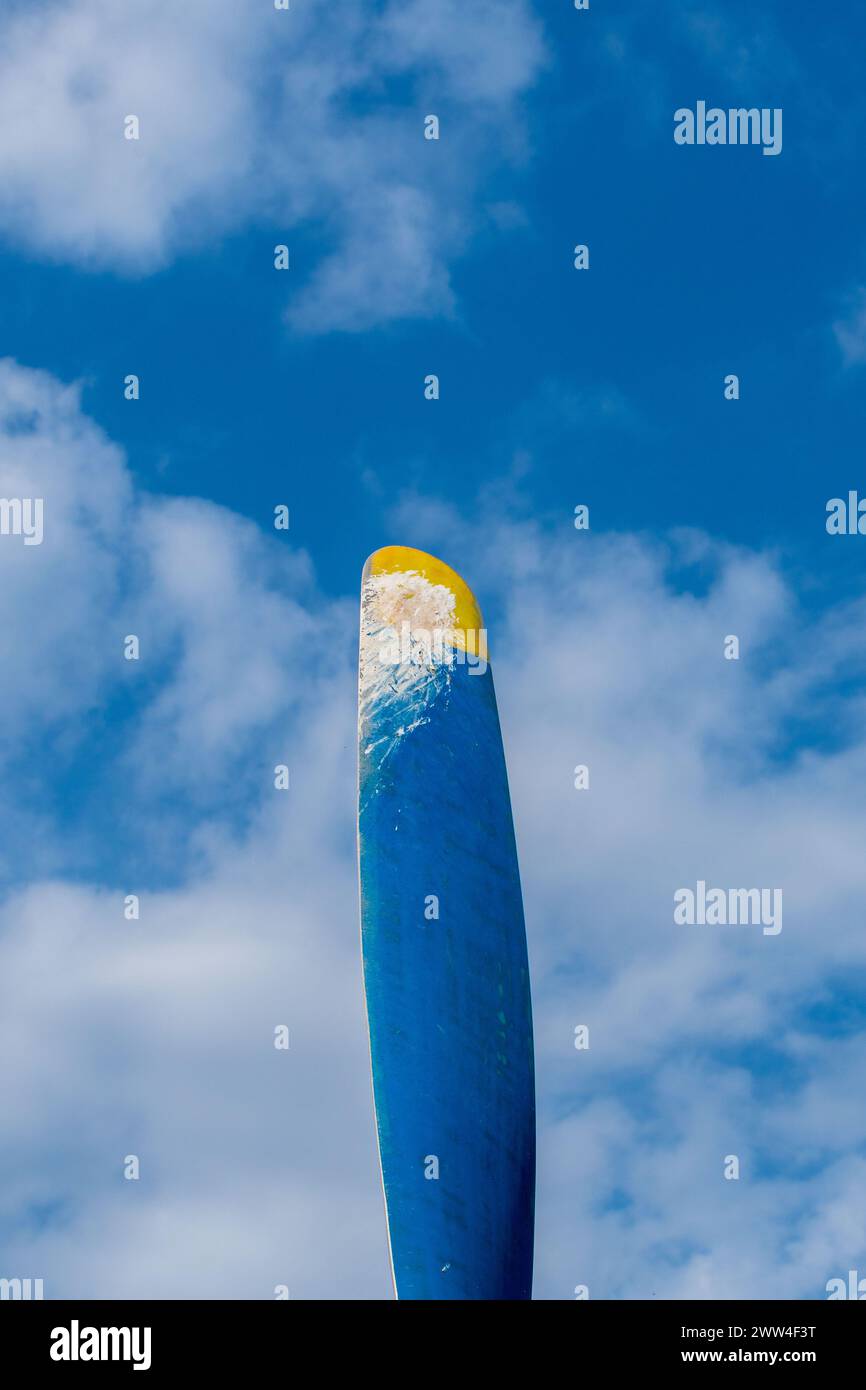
[447,1000]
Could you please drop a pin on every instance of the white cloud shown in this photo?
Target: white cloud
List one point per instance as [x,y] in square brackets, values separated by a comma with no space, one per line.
[251,116]
[50,451]
[154,1037]
[73,187]
[602,658]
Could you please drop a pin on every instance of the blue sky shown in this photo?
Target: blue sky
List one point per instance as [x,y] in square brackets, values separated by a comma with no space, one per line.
[306,387]
[702,262]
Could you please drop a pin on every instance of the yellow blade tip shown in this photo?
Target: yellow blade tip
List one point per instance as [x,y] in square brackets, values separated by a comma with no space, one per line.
[404,559]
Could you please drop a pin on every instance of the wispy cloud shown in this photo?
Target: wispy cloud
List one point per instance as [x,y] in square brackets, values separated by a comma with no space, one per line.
[704,1042]
[155,1037]
[252,116]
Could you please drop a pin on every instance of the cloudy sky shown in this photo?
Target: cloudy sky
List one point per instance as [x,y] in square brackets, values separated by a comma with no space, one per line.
[305,387]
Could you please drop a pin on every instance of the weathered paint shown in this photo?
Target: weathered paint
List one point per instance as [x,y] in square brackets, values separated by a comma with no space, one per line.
[448,1000]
